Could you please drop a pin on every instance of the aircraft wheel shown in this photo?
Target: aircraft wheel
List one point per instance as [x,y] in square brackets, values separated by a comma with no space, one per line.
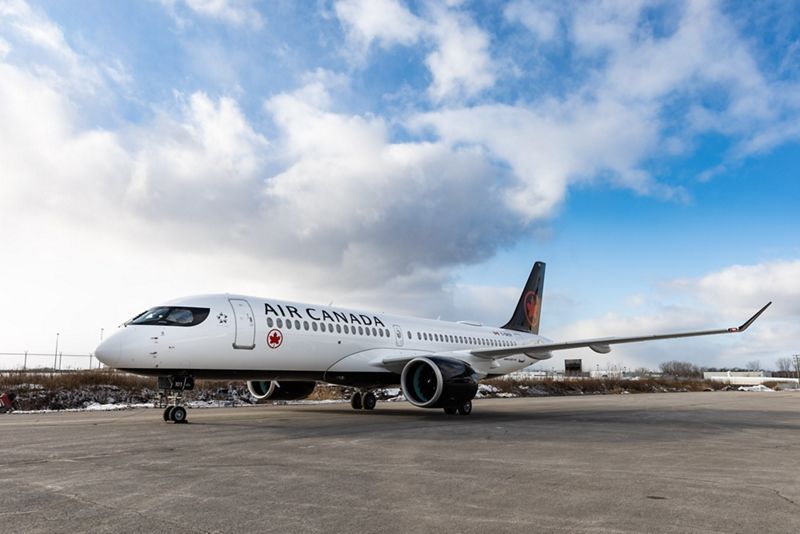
[355,401]
[369,401]
[168,413]
[450,410]
[466,408]
[178,414]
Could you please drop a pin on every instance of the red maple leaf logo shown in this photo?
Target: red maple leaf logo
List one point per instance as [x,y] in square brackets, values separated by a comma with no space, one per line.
[274,339]
[531,303]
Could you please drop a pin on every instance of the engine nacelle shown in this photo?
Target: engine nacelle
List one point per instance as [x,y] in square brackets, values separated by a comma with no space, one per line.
[438,382]
[272,390]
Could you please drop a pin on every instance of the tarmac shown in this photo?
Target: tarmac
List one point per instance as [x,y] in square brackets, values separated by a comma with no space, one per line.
[670,462]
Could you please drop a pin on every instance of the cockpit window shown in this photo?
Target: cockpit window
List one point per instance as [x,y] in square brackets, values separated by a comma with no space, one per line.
[172,316]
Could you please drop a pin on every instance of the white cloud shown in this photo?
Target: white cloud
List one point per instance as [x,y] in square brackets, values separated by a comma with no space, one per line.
[556,144]
[461,65]
[233,12]
[386,21]
[717,300]
[460,62]
[743,287]
[541,20]
[374,209]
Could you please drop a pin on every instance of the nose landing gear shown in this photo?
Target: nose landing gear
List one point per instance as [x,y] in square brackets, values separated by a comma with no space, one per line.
[171,394]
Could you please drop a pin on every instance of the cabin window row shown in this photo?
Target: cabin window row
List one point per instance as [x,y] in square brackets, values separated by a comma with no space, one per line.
[462,340]
[315,326]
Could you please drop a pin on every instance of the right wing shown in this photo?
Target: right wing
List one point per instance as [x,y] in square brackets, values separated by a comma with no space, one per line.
[603,345]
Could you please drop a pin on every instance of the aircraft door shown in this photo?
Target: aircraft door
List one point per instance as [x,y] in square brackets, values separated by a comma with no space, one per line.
[398,335]
[245,323]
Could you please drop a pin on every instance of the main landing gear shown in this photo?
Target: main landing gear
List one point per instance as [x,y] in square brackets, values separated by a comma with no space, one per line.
[461,409]
[365,401]
[172,390]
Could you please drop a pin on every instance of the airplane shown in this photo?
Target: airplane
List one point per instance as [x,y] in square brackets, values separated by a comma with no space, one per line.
[282,349]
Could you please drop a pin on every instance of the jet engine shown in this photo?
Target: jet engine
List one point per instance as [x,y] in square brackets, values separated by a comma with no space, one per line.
[272,390]
[438,382]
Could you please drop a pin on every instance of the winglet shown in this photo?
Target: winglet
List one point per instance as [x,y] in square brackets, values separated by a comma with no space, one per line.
[750,320]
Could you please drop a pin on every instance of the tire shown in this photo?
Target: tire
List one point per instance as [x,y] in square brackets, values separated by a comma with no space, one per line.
[178,414]
[466,408]
[369,401]
[450,410]
[168,413]
[355,401]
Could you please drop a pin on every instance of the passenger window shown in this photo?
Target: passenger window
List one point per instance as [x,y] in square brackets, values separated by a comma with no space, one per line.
[338,329]
[305,325]
[296,324]
[360,331]
[279,322]
[314,326]
[269,322]
[288,324]
[374,331]
[419,336]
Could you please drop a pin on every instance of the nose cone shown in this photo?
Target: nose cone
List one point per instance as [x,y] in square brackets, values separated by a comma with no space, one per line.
[108,351]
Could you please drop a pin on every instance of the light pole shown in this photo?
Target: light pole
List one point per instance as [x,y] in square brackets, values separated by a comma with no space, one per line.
[55,354]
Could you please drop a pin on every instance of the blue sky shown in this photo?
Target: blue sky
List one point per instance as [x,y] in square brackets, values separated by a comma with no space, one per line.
[410,157]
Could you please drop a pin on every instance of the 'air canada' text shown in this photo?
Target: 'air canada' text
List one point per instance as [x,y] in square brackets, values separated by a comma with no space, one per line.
[322,315]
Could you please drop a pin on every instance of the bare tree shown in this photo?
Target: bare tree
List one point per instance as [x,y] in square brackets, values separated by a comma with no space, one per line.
[784,365]
[680,369]
[754,365]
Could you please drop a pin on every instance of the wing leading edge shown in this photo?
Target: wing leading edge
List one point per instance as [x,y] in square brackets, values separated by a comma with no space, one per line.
[603,345]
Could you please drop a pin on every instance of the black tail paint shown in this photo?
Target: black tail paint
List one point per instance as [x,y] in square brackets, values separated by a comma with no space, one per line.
[526,316]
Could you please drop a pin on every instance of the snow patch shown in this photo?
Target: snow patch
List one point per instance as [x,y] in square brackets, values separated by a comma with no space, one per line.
[757,387]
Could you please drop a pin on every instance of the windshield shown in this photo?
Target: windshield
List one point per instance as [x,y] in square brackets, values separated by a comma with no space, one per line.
[171,316]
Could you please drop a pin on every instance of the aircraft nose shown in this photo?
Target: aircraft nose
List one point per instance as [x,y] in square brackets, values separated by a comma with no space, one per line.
[108,351]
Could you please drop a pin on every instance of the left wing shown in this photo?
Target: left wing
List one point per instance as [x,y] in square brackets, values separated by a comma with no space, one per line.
[603,345]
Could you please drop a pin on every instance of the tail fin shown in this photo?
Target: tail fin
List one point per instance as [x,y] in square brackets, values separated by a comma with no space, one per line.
[526,316]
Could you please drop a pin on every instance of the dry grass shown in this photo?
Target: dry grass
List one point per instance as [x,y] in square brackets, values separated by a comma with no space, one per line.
[76,390]
[526,387]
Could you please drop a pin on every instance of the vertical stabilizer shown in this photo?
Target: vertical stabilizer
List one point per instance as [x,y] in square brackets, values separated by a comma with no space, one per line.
[526,316]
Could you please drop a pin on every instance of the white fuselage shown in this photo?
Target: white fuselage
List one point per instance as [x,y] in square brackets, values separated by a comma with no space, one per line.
[267,339]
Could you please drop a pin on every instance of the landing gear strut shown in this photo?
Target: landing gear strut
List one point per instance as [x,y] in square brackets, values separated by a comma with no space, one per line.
[171,393]
[366,401]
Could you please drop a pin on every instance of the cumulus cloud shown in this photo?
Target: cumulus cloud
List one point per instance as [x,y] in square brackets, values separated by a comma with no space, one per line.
[373,208]
[233,12]
[386,21]
[556,144]
[460,63]
[716,300]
